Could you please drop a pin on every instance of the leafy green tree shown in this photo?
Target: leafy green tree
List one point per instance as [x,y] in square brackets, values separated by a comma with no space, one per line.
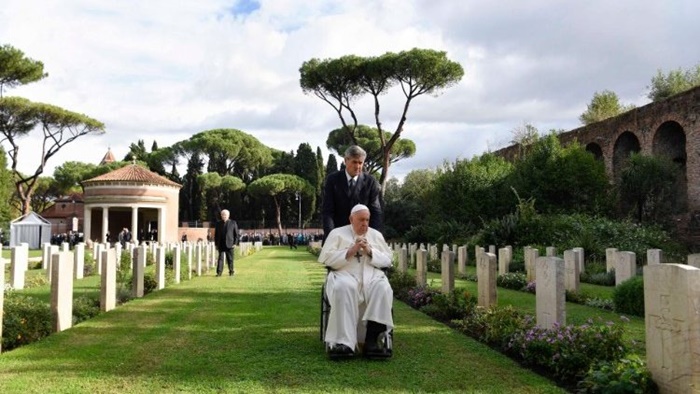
[282,162]
[6,191]
[230,152]
[17,69]
[136,150]
[340,82]
[279,187]
[604,105]
[46,191]
[156,160]
[471,191]
[70,174]
[647,186]
[368,138]
[675,81]
[561,179]
[214,186]
[19,116]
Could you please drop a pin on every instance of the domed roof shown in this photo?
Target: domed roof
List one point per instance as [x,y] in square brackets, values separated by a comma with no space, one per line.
[132,173]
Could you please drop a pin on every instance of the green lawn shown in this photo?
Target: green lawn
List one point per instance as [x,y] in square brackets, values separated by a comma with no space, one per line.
[254,333]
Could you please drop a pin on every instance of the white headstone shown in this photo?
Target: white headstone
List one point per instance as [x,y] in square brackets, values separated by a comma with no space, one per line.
[610,258]
[580,259]
[504,259]
[19,260]
[625,266]
[79,260]
[61,291]
[198,258]
[45,255]
[422,267]
[571,272]
[655,256]
[694,260]
[486,272]
[137,268]
[462,260]
[177,258]
[448,271]
[550,292]
[108,287]
[160,267]
[671,295]
[403,260]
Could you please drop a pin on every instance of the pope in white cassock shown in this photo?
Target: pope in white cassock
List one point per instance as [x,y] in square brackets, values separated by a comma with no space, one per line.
[356,284]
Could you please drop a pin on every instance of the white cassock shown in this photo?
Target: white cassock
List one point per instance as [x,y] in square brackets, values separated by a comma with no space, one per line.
[356,285]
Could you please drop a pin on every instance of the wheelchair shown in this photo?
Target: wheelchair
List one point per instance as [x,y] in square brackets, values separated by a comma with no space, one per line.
[385,339]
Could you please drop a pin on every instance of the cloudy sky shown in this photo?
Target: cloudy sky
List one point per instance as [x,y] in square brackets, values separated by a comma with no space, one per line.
[165,69]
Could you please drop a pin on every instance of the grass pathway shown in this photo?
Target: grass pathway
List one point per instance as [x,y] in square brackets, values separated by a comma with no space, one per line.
[254,333]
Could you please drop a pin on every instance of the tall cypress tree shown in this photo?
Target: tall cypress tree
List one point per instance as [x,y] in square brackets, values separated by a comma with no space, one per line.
[331,164]
[191,202]
[306,167]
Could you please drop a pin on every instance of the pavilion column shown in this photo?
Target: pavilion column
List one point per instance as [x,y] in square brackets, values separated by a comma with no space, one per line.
[105,224]
[161,225]
[87,222]
[134,224]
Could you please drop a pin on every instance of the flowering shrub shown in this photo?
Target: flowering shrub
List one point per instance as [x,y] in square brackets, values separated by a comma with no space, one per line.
[421,296]
[25,320]
[434,265]
[401,283]
[495,325]
[628,296]
[446,307]
[568,351]
[602,303]
[512,280]
[531,287]
[627,375]
[36,281]
[85,307]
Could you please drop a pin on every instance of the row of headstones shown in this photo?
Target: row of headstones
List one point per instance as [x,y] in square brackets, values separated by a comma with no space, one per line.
[671,292]
[623,262]
[64,267]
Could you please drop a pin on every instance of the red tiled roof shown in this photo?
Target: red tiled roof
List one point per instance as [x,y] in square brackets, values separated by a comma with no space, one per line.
[134,174]
[108,158]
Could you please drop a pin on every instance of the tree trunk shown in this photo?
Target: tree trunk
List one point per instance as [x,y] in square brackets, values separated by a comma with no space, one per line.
[278,217]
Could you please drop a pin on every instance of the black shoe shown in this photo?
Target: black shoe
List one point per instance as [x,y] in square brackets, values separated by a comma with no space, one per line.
[230,273]
[376,342]
[373,351]
[218,275]
[340,351]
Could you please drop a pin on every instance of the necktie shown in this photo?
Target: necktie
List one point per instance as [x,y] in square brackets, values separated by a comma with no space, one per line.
[351,184]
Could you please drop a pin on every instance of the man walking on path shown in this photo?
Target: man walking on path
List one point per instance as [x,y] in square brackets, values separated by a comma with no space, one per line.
[225,239]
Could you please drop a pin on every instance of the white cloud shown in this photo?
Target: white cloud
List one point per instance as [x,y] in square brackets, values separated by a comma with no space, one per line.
[162,70]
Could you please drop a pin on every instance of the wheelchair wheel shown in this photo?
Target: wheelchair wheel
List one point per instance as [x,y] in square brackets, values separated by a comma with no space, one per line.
[325,313]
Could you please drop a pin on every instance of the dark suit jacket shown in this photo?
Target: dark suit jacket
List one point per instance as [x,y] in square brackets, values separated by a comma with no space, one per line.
[337,201]
[226,234]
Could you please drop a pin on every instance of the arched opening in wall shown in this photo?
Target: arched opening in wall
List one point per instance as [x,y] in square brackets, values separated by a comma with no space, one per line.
[595,150]
[669,142]
[626,144]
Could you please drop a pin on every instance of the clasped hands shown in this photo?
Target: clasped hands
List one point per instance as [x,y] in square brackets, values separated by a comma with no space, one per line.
[361,247]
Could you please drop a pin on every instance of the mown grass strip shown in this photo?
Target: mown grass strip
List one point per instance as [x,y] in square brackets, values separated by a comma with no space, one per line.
[254,333]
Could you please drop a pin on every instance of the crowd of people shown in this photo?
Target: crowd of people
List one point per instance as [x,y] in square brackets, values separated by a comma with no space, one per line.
[71,237]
